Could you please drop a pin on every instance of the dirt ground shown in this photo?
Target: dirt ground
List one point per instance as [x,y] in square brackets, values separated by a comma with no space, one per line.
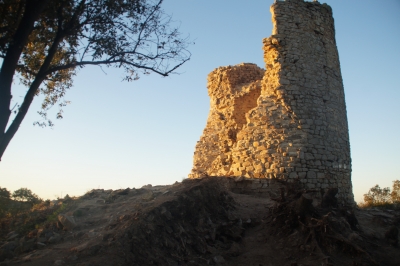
[202,222]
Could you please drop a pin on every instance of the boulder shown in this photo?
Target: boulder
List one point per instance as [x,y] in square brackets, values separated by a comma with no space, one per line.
[68,222]
[12,236]
[55,238]
[9,245]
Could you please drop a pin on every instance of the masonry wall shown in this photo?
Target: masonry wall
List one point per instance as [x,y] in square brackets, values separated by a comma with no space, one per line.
[288,121]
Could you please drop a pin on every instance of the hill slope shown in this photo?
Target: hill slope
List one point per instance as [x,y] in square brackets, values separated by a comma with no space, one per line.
[202,222]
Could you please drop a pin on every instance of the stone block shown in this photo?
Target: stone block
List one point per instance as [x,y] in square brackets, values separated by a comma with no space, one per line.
[255,185]
[311,175]
[302,175]
[308,156]
[310,185]
[320,175]
[293,175]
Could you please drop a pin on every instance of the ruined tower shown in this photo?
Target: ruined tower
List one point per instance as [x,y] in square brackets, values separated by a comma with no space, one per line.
[288,121]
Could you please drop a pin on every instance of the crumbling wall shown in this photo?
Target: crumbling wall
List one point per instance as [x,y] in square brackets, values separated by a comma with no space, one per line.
[233,91]
[289,121]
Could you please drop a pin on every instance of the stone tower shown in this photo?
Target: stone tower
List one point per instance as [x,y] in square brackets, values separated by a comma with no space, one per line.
[288,121]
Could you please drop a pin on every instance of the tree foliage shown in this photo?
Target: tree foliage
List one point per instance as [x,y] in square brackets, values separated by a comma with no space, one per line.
[395,195]
[24,194]
[4,194]
[378,196]
[44,43]
[19,201]
[5,197]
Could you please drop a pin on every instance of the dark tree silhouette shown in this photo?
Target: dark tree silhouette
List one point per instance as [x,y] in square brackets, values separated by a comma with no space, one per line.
[24,194]
[44,42]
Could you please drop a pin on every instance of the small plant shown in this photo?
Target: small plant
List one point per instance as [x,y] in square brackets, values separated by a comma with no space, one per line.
[54,216]
[67,198]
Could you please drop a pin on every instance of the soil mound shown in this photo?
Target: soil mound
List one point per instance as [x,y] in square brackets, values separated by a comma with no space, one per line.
[202,222]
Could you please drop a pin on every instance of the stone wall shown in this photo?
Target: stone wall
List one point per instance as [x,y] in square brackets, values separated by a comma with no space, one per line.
[288,121]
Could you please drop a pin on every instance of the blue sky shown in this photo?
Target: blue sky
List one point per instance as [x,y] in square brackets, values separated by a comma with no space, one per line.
[117,134]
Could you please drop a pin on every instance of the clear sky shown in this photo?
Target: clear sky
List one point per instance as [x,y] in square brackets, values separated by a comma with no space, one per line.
[117,134]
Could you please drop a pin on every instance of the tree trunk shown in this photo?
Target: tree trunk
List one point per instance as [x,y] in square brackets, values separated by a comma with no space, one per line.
[32,11]
[9,134]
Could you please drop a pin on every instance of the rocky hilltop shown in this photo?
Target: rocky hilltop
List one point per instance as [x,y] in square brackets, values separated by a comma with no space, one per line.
[200,222]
